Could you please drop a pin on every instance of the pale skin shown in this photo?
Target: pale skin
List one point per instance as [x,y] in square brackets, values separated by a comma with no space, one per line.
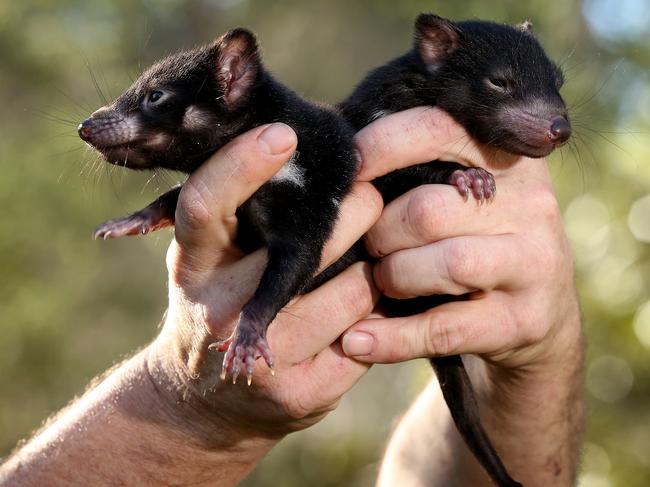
[163,417]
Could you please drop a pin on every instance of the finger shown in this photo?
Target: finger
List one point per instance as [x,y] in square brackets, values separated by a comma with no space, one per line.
[433,212]
[317,319]
[414,136]
[330,374]
[454,266]
[481,326]
[359,211]
[205,215]
[430,213]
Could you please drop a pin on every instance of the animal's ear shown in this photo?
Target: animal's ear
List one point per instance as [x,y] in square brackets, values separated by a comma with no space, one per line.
[435,38]
[526,26]
[237,64]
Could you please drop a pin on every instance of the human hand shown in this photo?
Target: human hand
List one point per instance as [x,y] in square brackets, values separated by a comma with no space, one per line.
[210,280]
[511,257]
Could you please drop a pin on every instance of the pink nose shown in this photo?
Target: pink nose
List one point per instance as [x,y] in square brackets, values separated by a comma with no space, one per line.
[84,129]
[560,131]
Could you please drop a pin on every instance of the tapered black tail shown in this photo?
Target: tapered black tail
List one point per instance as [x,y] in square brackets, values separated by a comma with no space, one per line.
[459,396]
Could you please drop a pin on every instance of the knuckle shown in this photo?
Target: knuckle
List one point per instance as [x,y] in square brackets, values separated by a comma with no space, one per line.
[549,263]
[357,296]
[192,210]
[527,324]
[439,338]
[547,204]
[388,277]
[179,275]
[425,212]
[376,141]
[460,264]
[372,199]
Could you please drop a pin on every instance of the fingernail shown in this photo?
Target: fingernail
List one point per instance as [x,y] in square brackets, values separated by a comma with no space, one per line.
[357,343]
[276,139]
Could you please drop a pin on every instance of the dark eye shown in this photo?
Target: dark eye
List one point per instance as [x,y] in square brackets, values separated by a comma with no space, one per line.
[500,84]
[154,96]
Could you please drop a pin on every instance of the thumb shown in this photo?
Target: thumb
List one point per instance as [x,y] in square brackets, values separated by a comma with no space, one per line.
[205,214]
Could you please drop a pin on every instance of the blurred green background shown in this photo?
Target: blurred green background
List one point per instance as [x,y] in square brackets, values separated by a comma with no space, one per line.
[70,307]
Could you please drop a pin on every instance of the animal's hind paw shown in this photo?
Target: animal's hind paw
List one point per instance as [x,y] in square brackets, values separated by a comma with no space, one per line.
[242,348]
[474,180]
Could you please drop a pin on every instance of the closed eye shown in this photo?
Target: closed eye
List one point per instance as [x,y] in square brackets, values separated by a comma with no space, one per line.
[498,83]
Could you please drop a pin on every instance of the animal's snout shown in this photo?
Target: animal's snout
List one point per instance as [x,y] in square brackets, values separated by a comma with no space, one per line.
[560,131]
[85,129]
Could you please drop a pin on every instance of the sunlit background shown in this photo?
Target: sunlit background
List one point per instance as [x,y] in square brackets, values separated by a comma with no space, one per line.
[70,307]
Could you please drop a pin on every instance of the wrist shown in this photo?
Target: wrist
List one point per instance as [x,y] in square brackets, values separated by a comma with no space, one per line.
[187,385]
[553,366]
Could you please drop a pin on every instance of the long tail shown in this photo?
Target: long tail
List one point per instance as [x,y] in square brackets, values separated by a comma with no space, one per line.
[459,396]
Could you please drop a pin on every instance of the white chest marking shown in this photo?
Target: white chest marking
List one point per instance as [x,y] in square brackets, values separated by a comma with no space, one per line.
[291,172]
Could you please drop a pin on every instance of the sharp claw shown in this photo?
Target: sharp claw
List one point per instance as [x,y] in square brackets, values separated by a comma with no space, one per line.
[250,363]
[222,376]
[235,370]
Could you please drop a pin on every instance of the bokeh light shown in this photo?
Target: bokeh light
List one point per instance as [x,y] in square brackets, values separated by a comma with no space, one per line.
[609,378]
[642,324]
[618,19]
[639,219]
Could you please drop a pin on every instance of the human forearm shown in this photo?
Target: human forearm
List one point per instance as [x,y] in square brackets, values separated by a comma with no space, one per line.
[533,415]
[537,413]
[127,430]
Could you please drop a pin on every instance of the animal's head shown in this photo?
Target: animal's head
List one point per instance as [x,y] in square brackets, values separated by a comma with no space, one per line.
[496,81]
[181,109]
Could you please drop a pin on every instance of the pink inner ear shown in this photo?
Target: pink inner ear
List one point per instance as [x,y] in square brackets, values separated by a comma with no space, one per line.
[436,41]
[237,70]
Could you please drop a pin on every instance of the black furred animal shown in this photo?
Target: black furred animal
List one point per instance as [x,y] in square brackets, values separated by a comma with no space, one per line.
[498,83]
[184,108]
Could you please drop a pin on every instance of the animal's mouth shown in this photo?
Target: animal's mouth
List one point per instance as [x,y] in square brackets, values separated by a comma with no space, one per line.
[125,155]
[536,150]
[115,139]
[535,128]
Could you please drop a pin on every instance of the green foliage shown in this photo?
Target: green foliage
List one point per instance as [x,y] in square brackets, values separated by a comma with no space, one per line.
[71,307]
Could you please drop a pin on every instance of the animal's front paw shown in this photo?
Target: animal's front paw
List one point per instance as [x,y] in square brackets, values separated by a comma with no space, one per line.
[139,223]
[242,348]
[475,180]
